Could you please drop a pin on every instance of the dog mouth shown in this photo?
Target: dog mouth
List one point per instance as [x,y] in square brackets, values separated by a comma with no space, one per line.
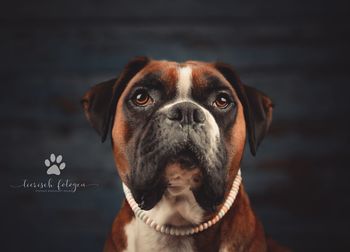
[187,158]
[183,172]
[198,172]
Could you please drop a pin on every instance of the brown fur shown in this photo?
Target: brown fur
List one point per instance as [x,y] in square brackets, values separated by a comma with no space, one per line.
[239,230]
[116,240]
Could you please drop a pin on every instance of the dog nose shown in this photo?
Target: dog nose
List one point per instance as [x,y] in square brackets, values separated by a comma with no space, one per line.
[186,113]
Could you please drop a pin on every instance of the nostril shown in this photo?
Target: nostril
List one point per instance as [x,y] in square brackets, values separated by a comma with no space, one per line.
[175,114]
[198,116]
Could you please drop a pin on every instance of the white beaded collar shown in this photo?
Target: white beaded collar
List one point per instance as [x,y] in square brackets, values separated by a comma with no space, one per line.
[182,231]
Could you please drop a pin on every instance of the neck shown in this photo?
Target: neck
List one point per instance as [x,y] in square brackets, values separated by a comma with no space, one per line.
[185,229]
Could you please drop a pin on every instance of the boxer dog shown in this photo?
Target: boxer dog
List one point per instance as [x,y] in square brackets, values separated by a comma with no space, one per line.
[178,133]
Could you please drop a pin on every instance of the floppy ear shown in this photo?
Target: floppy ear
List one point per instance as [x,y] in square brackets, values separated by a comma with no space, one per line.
[256,105]
[96,103]
[99,103]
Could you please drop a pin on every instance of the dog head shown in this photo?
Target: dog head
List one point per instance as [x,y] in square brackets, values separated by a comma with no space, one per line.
[165,117]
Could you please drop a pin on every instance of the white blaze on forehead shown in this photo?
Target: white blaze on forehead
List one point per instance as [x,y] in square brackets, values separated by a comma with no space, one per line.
[184,83]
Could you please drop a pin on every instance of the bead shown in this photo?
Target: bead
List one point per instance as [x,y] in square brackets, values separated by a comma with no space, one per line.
[196,229]
[231,199]
[153,224]
[162,229]
[201,227]
[166,230]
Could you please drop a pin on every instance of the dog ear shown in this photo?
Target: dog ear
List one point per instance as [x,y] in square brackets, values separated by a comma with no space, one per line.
[256,105]
[99,103]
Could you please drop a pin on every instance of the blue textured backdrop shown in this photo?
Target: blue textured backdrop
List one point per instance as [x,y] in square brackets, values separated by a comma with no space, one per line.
[53,51]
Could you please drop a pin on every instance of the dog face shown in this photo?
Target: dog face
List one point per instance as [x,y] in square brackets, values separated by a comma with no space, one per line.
[171,120]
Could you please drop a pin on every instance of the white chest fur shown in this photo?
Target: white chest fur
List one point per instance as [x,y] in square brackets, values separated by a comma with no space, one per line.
[177,207]
[142,238]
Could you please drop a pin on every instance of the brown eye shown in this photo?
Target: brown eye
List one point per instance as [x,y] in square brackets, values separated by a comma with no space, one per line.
[222,101]
[142,98]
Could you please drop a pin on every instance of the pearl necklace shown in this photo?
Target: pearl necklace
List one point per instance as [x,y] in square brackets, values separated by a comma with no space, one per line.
[182,231]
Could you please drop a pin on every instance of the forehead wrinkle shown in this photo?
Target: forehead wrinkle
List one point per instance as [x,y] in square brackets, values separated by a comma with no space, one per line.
[150,79]
[170,75]
[213,83]
[158,74]
[204,76]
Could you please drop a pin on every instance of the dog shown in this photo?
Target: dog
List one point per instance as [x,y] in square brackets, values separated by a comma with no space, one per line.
[178,132]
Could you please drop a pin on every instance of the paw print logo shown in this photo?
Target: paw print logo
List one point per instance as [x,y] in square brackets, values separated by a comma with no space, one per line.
[54,165]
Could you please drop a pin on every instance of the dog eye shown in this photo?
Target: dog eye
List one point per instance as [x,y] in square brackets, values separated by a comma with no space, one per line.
[141,98]
[222,101]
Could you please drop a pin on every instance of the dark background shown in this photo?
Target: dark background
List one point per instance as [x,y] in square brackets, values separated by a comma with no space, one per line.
[53,51]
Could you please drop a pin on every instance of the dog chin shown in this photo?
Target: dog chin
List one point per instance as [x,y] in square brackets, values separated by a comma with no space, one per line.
[182,177]
[175,170]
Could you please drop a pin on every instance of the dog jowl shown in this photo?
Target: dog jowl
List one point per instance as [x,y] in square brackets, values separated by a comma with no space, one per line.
[178,132]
